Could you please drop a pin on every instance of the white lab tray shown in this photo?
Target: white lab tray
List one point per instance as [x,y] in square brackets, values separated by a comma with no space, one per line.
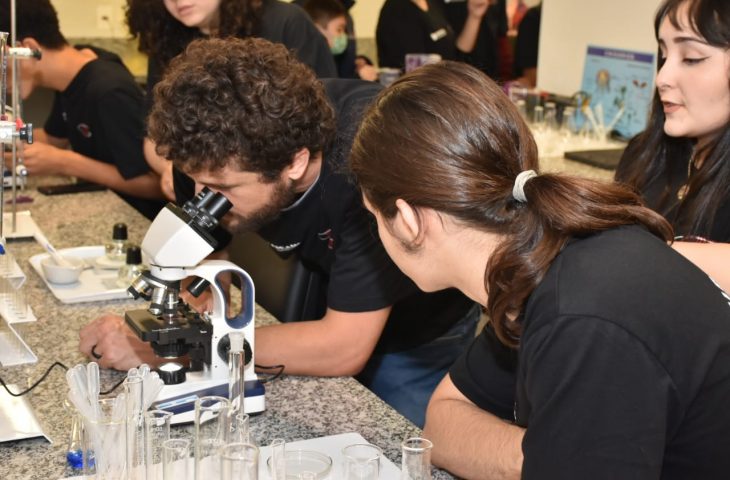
[94,284]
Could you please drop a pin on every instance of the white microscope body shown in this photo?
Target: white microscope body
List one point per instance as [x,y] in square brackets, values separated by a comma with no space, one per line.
[175,247]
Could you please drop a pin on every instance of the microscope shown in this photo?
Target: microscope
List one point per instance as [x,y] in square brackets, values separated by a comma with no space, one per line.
[175,246]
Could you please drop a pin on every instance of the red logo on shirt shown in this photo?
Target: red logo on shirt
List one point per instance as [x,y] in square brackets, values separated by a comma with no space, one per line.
[84,130]
[326,236]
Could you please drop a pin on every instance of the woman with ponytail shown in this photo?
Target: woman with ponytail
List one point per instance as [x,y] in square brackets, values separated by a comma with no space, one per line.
[622,346]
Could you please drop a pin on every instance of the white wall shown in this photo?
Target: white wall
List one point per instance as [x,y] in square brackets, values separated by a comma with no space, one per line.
[365,15]
[569,26]
[82,18]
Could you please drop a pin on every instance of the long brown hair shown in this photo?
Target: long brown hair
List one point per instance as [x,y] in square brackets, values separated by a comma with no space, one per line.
[163,37]
[445,137]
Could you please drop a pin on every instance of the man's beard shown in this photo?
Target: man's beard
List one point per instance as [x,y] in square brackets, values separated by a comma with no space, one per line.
[284,195]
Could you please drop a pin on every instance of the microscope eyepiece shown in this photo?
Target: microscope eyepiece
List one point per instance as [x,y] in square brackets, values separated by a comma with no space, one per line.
[207,208]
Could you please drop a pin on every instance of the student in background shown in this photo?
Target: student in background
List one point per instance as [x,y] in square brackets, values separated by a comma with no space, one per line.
[165,27]
[95,129]
[330,17]
[421,26]
[681,162]
[526,48]
[622,345]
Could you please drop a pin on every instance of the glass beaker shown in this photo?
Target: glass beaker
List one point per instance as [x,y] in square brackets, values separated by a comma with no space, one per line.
[212,429]
[361,461]
[175,459]
[239,461]
[157,430]
[416,462]
[103,440]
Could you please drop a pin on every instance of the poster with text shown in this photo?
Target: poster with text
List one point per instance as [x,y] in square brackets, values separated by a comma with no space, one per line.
[619,79]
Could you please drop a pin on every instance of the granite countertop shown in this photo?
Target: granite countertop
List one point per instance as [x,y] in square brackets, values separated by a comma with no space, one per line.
[297,408]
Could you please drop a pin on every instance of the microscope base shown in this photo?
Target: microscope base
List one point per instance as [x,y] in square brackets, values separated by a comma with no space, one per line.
[180,399]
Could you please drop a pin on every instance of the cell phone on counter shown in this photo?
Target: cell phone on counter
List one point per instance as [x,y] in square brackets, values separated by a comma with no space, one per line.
[67,188]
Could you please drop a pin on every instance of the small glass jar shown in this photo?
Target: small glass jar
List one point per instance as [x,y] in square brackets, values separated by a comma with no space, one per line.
[132,268]
[116,249]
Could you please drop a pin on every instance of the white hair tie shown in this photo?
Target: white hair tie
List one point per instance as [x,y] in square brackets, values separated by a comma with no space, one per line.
[518,190]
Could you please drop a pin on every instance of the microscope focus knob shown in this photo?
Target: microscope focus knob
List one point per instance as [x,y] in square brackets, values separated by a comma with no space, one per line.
[25,133]
[224,346]
[198,286]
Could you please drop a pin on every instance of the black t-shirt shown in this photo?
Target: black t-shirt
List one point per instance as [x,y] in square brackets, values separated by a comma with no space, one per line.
[485,55]
[284,23]
[101,114]
[333,234]
[404,28]
[527,42]
[624,365]
[652,195]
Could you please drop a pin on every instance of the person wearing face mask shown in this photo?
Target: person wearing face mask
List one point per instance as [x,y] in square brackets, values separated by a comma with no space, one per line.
[330,17]
[681,162]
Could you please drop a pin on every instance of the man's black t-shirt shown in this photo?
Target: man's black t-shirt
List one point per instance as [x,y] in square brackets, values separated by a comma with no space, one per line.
[624,365]
[284,23]
[101,114]
[333,234]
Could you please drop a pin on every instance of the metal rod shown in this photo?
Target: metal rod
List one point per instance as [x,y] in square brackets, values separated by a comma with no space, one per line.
[17,114]
[3,96]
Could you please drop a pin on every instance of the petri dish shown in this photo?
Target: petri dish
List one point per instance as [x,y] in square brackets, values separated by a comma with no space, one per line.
[300,461]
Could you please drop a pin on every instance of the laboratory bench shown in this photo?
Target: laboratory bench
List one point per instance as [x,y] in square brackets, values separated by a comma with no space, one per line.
[297,408]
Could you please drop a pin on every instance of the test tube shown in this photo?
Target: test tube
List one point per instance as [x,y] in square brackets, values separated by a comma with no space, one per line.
[551,116]
[212,429]
[242,432]
[239,461]
[236,367]
[416,461]
[278,459]
[538,117]
[135,429]
[175,454]
[157,430]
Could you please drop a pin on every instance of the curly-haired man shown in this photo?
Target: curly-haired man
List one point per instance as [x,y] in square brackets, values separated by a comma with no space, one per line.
[245,118]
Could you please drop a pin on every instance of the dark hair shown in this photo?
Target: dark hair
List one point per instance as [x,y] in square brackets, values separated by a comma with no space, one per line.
[446,137]
[322,11]
[247,102]
[653,153]
[163,37]
[36,19]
